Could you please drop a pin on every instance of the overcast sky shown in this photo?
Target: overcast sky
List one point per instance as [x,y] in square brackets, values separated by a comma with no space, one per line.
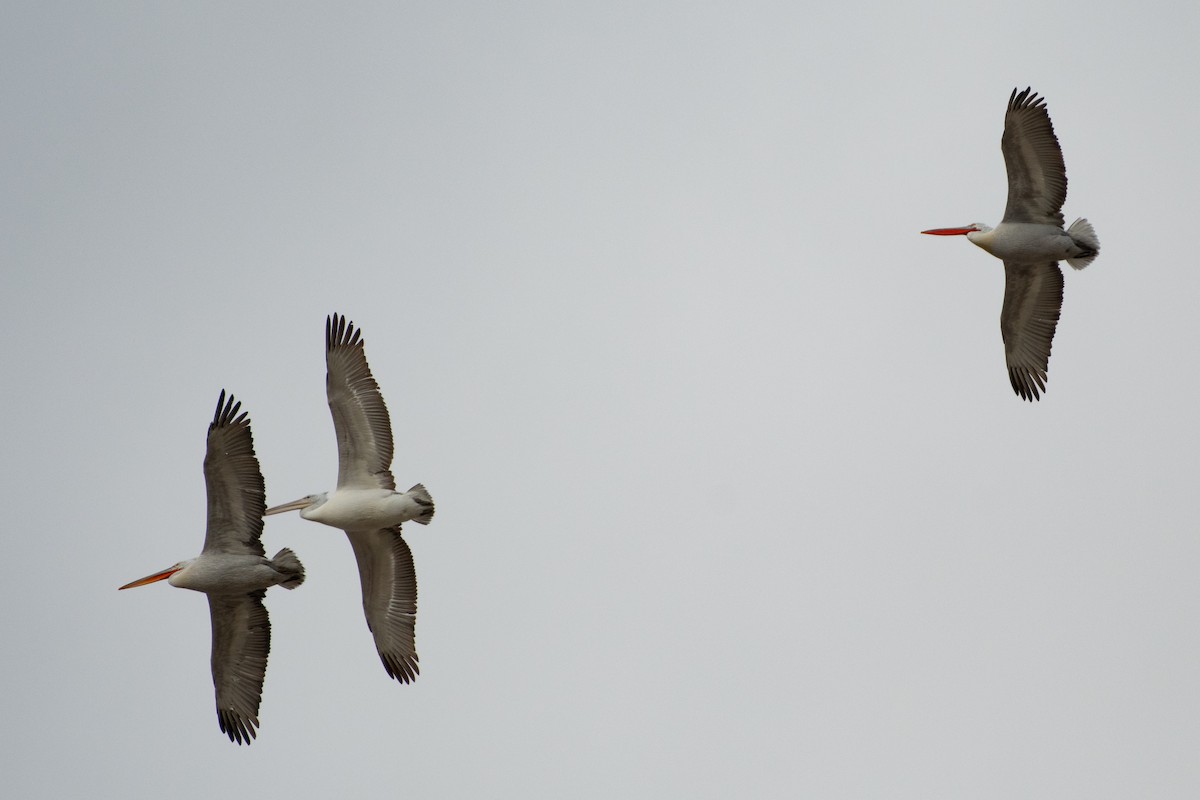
[733,496]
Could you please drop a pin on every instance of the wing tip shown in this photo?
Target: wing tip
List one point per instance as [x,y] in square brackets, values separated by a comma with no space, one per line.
[1028,384]
[226,415]
[1026,98]
[240,729]
[403,668]
[341,332]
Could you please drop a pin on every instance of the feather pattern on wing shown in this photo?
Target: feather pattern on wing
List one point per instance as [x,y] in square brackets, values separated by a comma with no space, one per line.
[236,493]
[241,643]
[389,590]
[360,418]
[1037,178]
[1032,303]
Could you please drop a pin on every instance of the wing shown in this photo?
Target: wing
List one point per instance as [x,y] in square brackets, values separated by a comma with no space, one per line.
[1037,179]
[360,419]
[236,494]
[241,642]
[389,589]
[1032,303]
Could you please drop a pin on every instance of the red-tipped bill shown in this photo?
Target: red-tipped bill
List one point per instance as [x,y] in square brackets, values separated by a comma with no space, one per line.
[949,231]
[158,576]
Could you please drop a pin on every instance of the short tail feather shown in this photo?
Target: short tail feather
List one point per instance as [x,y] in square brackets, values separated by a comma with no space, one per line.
[1084,235]
[285,562]
[420,496]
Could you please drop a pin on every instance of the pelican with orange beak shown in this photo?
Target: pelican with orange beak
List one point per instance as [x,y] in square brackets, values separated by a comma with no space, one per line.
[234,572]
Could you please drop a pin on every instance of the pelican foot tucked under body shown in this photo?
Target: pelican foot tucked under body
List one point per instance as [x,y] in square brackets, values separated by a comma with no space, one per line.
[365,503]
[234,572]
[1031,241]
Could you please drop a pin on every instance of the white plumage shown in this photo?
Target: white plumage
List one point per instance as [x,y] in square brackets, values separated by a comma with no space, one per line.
[365,503]
[234,572]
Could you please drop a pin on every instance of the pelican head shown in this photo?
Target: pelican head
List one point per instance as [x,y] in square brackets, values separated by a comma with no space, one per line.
[304,505]
[162,575]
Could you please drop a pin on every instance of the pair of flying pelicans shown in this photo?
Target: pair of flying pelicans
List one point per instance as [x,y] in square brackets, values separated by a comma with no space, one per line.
[233,569]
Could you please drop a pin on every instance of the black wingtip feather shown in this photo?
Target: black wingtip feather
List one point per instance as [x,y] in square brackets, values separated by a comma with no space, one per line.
[238,730]
[340,332]
[1027,385]
[1026,99]
[402,669]
[226,414]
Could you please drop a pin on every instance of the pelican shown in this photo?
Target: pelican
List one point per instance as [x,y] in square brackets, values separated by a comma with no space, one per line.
[1031,241]
[365,503]
[233,571]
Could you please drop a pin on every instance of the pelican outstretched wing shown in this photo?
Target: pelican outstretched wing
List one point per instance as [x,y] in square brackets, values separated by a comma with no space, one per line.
[241,641]
[389,591]
[1037,178]
[360,418]
[1032,304]
[236,493]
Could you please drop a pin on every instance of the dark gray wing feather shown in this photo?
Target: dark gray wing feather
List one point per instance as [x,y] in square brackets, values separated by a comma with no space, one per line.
[1037,178]
[236,493]
[389,591]
[360,418]
[1032,303]
[241,643]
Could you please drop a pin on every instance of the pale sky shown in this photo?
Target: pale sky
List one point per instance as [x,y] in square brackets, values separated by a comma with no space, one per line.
[733,496]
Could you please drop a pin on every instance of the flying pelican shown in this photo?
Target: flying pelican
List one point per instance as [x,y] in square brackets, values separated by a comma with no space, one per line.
[1031,241]
[365,503]
[233,571]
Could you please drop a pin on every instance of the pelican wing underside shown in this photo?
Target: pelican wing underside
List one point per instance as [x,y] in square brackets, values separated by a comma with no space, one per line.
[236,493]
[241,642]
[1032,303]
[389,591]
[1037,178]
[360,418]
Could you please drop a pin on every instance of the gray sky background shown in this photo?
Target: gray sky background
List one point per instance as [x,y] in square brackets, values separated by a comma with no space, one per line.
[734,498]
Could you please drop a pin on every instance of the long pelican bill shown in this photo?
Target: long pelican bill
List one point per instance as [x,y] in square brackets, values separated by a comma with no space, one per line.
[949,231]
[295,505]
[158,576]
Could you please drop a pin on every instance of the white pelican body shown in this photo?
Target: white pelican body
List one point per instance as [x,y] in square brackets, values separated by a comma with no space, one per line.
[358,509]
[365,503]
[1026,242]
[225,573]
[234,572]
[1031,241]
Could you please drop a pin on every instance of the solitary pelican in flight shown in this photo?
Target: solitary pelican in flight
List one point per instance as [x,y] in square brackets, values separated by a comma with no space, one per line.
[365,503]
[1031,241]
[233,571]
